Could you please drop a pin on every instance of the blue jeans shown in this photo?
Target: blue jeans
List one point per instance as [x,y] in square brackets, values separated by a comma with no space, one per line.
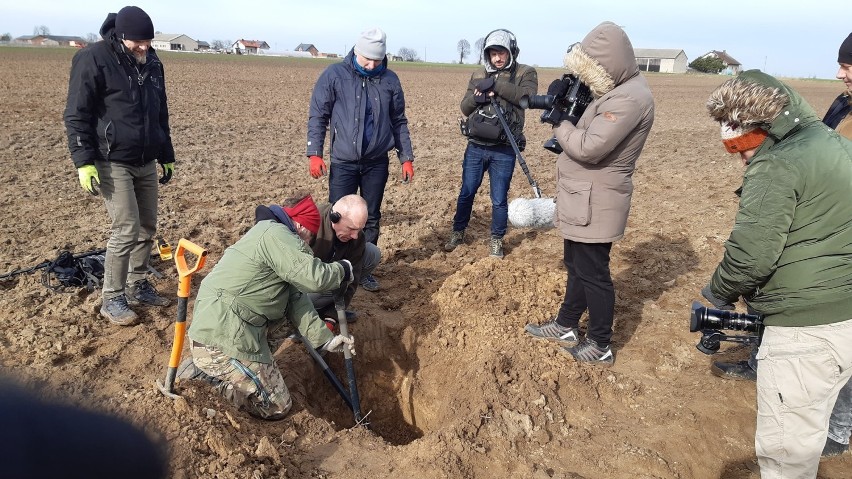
[499,162]
[368,176]
[840,424]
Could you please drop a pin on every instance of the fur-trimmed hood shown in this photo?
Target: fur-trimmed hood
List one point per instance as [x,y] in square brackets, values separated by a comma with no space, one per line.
[603,60]
[756,99]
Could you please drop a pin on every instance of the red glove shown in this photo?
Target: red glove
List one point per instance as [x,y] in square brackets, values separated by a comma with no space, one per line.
[317,167]
[407,171]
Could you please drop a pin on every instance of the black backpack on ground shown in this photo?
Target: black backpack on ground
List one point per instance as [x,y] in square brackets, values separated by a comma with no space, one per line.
[67,270]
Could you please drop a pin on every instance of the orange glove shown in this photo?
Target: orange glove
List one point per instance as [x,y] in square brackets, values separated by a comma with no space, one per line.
[407,171]
[317,167]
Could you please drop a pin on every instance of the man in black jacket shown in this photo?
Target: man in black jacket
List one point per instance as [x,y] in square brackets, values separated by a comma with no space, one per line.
[117,120]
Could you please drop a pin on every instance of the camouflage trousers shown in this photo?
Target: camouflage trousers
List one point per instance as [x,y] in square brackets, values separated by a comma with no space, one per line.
[256,388]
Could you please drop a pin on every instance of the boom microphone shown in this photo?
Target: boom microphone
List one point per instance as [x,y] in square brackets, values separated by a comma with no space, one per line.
[532,212]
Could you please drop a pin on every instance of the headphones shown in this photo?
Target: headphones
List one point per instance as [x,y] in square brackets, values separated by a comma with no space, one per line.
[513,42]
[334,216]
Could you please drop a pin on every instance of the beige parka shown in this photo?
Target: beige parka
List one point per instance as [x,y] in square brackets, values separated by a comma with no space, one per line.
[594,173]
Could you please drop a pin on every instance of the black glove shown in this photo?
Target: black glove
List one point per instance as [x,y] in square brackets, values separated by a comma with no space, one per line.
[716,302]
[347,271]
[558,88]
[168,171]
[485,85]
[481,98]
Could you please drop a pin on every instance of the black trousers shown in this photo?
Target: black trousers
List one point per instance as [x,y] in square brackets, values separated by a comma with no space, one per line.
[589,286]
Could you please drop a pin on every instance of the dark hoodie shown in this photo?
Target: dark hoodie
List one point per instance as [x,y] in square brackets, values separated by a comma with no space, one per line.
[117,110]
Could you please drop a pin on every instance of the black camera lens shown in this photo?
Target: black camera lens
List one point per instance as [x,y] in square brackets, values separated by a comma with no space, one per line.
[537,102]
[706,318]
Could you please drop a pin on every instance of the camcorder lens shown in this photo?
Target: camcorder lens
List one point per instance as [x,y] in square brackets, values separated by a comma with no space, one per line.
[537,102]
[706,318]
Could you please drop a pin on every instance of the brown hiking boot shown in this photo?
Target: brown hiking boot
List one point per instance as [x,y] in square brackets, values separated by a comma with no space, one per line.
[118,312]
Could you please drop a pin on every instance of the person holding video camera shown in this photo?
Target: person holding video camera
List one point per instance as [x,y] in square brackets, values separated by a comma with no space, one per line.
[594,185]
[506,81]
[838,117]
[789,256]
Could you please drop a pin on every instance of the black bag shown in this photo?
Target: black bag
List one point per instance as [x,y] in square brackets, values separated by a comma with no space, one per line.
[69,270]
[483,124]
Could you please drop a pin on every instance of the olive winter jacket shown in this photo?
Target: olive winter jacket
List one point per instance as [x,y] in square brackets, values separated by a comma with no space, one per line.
[258,283]
[790,252]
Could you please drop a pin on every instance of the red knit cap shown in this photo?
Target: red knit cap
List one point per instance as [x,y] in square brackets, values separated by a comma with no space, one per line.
[742,138]
[305,212]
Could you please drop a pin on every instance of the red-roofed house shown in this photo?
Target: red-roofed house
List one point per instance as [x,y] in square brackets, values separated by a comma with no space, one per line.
[249,47]
[732,67]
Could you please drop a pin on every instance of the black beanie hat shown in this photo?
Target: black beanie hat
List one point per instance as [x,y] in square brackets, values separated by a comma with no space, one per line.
[132,23]
[845,53]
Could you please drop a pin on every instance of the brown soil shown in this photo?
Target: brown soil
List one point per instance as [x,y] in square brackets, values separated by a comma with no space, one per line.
[453,386]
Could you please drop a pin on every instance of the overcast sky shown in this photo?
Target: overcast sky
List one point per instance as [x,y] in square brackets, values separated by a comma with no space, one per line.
[781,37]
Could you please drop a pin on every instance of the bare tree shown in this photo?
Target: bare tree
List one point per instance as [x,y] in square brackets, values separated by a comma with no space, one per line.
[464,50]
[6,37]
[479,44]
[91,38]
[218,45]
[41,30]
[409,54]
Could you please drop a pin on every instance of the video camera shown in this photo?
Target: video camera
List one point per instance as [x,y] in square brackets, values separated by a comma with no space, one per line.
[710,321]
[566,100]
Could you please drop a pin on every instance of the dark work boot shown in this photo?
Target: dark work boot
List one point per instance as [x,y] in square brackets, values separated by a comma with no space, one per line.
[739,370]
[143,292]
[833,448]
[118,312]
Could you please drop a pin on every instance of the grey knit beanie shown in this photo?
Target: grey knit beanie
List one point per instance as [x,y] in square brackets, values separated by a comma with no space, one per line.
[372,45]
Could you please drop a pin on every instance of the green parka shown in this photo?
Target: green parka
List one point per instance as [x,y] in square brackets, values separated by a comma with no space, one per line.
[257,282]
[790,252]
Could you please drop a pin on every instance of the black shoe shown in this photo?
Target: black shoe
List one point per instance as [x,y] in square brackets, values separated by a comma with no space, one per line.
[739,370]
[833,448]
[143,292]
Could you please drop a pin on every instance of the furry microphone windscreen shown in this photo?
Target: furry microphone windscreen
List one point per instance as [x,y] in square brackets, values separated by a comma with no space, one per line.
[532,212]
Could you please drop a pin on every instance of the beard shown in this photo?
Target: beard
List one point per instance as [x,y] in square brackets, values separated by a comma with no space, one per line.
[141,57]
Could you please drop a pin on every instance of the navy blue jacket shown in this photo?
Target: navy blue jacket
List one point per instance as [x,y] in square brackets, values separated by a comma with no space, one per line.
[838,110]
[338,103]
[117,110]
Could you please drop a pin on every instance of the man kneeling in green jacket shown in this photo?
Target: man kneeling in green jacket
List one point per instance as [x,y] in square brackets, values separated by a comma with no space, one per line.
[252,292]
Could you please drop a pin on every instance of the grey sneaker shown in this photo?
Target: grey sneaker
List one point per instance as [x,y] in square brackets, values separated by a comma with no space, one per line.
[495,247]
[142,292]
[554,331]
[118,312]
[588,351]
[456,239]
[369,283]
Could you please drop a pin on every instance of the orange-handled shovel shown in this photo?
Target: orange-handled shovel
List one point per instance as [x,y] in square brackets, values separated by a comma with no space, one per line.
[185,274]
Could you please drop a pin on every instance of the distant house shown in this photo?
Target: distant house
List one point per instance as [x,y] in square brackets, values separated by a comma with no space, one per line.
[203,46]
[249,47]
[308,47]
[732,67]
[174,42]
[395,58]
[660,60]
[51,41]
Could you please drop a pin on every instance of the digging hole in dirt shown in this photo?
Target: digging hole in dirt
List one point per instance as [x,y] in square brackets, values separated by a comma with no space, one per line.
[385,370]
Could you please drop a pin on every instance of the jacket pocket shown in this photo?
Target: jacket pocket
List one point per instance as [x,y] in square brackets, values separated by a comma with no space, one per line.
[248,316]
[575,207]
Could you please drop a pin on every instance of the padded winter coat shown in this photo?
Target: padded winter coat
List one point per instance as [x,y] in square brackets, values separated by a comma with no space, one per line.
[509,87]
[256,284]
[117,110]
[338,103]
[594,173]
[790,252]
